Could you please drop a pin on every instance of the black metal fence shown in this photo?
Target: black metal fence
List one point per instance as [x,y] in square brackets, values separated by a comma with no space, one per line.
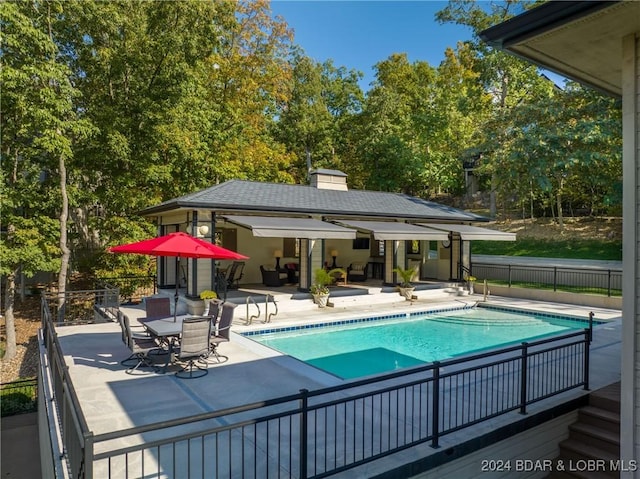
[131,288]
[77,307]
[19,396]
[314,434]
[579,280]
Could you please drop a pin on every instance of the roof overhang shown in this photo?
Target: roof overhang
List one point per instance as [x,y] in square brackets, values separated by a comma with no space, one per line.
[581,40]
[469,233]
[395,231]
[285,227]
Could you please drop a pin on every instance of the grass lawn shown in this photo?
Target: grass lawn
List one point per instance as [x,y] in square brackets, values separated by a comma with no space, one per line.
[573,249]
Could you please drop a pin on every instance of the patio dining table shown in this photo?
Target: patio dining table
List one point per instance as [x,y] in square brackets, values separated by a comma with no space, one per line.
[166,329]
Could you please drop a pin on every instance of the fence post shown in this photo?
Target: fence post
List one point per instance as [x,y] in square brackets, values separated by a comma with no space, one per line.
[609,282]
[590,327]
[587,340]
[303,432]
[509,274]
[88,455]
[523,380]
[435,411]
[555,278]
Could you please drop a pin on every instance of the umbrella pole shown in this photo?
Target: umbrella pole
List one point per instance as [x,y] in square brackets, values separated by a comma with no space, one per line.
[175,298]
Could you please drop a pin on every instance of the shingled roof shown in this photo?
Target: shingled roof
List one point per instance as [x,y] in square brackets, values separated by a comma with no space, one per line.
[259,197]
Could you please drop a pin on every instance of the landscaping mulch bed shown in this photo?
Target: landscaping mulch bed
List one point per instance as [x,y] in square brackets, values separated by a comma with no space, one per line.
[25,362]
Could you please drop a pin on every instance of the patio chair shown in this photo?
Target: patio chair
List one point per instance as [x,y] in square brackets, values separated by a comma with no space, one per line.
[220,286]
[235,274]
[215,306]
[293,270]
[221,333]
[357,271]
[273,277]
[157,308]
[193,346]
[140,347]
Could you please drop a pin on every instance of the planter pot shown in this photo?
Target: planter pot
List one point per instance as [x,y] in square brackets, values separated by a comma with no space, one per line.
[321,300]
[407,293]
[470,288]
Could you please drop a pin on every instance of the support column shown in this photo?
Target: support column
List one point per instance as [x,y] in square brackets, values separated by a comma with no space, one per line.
[192,263]
[630,368]
[311,258]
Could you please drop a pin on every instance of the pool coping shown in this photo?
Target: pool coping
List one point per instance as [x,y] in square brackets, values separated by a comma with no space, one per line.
[406,314]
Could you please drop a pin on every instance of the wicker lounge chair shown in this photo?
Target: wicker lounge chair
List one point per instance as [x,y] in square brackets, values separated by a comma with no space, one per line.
[357,271]
[273,277]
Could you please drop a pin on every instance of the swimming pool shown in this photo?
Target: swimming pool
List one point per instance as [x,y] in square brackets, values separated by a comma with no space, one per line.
[360,347]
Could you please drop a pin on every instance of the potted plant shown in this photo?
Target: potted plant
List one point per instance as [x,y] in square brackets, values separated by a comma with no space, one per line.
[207,295]
[405,286]
[320,287]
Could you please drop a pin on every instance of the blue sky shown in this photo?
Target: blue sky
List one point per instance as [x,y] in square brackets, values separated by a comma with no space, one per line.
[359,34]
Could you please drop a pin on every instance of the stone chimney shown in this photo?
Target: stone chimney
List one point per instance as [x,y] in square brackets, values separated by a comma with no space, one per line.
[329,179]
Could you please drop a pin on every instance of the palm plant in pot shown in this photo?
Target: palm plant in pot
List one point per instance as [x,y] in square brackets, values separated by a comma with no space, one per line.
[320,287]
[405,287]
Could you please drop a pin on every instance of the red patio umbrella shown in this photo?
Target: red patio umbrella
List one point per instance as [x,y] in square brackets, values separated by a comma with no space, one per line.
[180,245]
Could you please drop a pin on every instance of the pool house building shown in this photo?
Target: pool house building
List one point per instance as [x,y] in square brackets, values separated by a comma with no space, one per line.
[324,224]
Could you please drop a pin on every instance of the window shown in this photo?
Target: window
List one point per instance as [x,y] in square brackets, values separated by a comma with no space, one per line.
[377,248]
[227,238]
[433,250]
[290,247]
[361,243]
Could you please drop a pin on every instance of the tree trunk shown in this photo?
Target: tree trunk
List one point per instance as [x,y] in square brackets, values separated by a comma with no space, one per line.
[9,320]
[64,216]
[531,199]
[559,211]
[559,204]
[87,238]
[493,209]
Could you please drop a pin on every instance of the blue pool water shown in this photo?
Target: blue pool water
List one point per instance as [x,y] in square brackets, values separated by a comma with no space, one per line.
[371,347]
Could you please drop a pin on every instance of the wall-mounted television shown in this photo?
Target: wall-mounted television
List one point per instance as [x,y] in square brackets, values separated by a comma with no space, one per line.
[361,243]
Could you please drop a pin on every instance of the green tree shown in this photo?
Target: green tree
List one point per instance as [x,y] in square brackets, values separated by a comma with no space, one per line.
[509,80]
[315,119]
[449,127]
[560,138]
[39,126]
[181,93]
[393,157]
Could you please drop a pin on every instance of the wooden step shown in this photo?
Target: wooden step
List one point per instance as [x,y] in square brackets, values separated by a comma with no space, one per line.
[595,436]
[600,417]
[571,449]
[607,398]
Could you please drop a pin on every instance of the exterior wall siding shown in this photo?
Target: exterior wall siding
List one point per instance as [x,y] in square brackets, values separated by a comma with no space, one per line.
[630,368]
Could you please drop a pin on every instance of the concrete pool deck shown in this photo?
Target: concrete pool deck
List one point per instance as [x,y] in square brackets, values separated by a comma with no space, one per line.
[112,400]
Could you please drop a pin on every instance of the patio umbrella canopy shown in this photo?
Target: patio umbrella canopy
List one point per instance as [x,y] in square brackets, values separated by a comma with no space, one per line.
[179,245]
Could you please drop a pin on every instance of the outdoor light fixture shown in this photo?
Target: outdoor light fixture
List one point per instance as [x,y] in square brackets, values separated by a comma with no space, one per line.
[334,253]
[203,230]
[277,254]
